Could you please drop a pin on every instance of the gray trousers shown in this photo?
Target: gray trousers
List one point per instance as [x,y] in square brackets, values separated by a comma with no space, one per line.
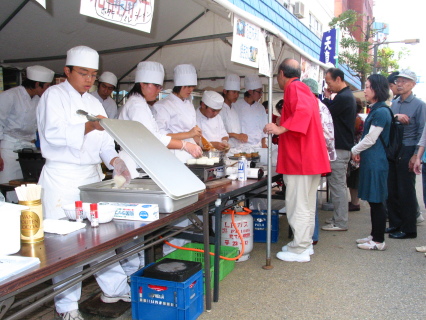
[338,187]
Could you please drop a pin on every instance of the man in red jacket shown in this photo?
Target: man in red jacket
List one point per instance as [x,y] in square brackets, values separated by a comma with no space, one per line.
[302,158]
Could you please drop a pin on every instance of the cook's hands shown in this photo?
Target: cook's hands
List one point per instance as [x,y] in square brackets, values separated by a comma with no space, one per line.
[403,118]
[193,150]
[417,166]
[412,162]
[272,128]
[356,157]
[93,125]
[120,169]
[1,164]
[241,137]
[221,146]
[195,132]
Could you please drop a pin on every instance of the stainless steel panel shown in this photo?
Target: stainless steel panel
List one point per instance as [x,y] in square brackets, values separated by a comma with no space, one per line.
[139,191]
[168,172]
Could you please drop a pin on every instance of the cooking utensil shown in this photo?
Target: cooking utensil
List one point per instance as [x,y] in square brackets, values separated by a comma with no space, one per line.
[90,117]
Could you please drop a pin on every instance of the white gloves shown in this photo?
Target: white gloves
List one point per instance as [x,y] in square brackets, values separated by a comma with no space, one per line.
[120,169]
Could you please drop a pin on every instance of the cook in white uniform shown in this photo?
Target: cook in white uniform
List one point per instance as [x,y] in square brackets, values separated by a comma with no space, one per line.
[252,113]
[175,115]
[74,148]
[18,122]
[231,90]
[106,85]
[148,84]
[210,121]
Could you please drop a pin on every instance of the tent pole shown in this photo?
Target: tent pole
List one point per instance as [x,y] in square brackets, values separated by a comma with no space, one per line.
[268,265]
[14,13]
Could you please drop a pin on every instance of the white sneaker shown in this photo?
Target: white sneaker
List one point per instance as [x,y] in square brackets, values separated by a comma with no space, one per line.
[71,315]
[421,249]
[294,257]
[364,240]
[333,227]
[371,245]
[420,219]
[310,249]
[329,220]
[125,298]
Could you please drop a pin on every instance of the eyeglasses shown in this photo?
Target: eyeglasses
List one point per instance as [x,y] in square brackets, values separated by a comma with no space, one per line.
[86,75]
[403,81]
[258,91]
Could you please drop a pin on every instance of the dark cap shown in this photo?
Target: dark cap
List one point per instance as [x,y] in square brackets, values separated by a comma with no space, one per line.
[392,77]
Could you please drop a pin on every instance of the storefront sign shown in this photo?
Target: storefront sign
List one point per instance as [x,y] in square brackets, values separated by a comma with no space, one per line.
[136,14]
[329,47]
[245,45]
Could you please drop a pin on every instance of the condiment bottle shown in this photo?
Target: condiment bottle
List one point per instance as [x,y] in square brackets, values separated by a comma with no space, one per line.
[79,211]
[94,215]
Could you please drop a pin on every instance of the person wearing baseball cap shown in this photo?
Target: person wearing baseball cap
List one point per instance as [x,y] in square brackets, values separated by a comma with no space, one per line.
[392,85]
[175,115]
[251,113]
[18,123]
[402,200]
[210,122]
[74,148]
[231,91]
[106,85]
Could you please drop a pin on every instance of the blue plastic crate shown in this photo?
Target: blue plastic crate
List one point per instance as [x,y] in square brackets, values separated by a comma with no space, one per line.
[168,300]
[259,224]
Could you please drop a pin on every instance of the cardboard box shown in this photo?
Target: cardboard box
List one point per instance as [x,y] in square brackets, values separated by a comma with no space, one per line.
[134,211]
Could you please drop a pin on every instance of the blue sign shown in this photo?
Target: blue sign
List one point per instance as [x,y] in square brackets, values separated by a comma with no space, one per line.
[329,47]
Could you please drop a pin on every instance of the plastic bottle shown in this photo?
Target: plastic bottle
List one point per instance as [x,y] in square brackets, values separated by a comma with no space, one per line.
[79,211]
[94,215]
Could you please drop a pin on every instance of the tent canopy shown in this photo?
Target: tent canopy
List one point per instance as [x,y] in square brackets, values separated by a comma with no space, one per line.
[183,31]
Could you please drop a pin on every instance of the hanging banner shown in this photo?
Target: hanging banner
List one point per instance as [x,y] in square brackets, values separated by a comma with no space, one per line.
[309,69]
[264,67]
[42,3]
[245,45]
[135,14]
[329,47]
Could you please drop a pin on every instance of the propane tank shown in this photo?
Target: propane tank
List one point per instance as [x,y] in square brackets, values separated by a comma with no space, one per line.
[244,223]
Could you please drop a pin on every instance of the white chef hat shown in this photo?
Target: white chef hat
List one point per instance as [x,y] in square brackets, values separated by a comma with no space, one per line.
[150,72]
[40,74]
[232,82]
[212,99]
[83,56]
[252,82]
[108,77]
[185,75]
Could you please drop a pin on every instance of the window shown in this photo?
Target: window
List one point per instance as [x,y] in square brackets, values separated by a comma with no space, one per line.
[315,25]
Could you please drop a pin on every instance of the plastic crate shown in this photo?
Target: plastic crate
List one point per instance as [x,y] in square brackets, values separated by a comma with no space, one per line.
[259,224]
[225,266]
[166,300]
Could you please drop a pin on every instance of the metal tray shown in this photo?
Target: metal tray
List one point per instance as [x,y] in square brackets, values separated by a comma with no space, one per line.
[139,191]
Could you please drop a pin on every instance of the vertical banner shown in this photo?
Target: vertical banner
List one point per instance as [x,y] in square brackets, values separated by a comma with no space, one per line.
[245,44]
[264,66]
[309,69]
[135,14]
[329,47]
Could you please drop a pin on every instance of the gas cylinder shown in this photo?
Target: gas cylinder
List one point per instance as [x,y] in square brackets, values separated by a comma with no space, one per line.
[244,223]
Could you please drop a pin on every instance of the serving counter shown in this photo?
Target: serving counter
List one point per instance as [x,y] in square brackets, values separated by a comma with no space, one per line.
[59,253]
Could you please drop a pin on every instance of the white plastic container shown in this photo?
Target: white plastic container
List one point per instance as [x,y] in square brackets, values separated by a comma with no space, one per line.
[244,223]
[10,227]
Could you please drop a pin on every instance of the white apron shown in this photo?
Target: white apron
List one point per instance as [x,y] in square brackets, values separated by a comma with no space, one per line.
[12,169]
[60,182]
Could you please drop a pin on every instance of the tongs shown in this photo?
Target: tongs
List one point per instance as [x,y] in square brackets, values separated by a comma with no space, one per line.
[90,117]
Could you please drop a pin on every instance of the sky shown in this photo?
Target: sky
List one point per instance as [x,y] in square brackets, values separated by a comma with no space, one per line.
[405,19]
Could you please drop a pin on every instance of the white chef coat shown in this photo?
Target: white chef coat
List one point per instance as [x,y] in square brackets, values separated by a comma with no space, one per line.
[109,105]
[175,116]
[72,160]
[253,119]
[18,126]
[137,109]
[232,122]
[213,128]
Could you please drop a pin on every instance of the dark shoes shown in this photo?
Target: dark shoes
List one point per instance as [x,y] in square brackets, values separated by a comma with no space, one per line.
[391,230]
[354,207]
[403,235]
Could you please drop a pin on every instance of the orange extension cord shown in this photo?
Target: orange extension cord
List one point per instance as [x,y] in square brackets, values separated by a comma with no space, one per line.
[232,213]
